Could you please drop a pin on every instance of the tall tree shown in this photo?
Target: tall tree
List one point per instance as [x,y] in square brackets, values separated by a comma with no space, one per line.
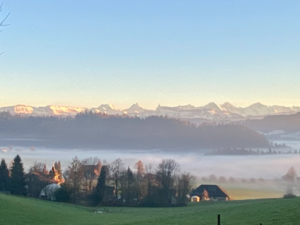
[128,185]
[141,183]
[17,181]
[140,169]
[184,186]
[4,176]
[74,178]
[291,175]
[100,187]
[166,174]
[116,169]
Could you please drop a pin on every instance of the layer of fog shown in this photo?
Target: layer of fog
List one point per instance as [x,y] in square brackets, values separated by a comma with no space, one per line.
[198,164]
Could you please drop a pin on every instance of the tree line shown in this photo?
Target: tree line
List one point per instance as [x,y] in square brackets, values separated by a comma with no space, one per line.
[92,182]
[96,130]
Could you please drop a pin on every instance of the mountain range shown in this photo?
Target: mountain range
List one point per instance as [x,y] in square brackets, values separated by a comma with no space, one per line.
[209,112]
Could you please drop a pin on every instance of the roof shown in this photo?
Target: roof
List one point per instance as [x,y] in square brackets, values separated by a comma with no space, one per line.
[213,191]
[41,177]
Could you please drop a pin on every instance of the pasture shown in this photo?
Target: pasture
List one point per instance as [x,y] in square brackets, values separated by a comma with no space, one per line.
[21,210]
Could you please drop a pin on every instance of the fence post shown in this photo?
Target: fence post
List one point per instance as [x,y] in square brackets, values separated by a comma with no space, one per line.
[219,219]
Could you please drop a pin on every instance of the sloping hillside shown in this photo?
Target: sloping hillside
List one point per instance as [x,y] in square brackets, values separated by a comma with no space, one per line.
[18,210]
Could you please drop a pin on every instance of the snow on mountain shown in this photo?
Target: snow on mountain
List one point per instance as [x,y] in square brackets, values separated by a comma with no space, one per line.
[108,109]
[135,109]
[43,111]
[209,112]
[230,108]
[257,109]
[64,110]
[284,109]
[18,109]
[213,107]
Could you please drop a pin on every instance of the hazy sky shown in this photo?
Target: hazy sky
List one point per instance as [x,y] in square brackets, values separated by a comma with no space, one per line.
[85,53]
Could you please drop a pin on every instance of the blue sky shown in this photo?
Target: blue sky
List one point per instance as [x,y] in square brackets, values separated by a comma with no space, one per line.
[85,53]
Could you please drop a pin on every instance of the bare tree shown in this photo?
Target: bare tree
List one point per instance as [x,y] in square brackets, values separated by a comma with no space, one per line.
[2,21]
[116,168]
[75,175]
[185,184]
[222,179]
[291,175]
[166,174]
[212,178]
[38,167]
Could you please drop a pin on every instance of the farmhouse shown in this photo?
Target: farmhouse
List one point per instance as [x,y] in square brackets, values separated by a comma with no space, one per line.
[208,192]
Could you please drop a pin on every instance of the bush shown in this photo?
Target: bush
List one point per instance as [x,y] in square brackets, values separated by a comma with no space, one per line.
[290,192]
[289,196]
[62,194]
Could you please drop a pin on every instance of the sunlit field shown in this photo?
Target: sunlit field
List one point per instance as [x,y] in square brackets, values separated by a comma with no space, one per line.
[19,210]
[244,193]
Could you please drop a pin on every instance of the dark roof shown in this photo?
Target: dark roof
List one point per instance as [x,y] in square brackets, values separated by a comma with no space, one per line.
[213,191]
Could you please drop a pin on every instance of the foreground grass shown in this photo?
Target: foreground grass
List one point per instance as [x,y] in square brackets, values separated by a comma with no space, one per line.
[18,210]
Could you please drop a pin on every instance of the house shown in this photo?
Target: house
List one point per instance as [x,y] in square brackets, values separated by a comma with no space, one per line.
[207,192]
[37,179]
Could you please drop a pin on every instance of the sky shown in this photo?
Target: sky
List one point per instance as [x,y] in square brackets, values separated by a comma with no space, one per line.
[171,52]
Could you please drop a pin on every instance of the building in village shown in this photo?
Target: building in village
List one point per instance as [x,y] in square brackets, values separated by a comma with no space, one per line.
[207,192]
[37,179]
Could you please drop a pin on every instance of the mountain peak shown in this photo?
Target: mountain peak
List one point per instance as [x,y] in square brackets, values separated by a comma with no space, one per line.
[213,106]
[227,104]
[107,107]
[135,108]
[258,104]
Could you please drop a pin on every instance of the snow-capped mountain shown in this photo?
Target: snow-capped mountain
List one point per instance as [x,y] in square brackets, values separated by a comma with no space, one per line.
[209,112]
[50,110]
[135,109]
[108,109]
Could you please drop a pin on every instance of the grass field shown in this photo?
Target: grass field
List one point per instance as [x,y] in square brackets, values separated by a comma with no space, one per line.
[19,210]
[248,193]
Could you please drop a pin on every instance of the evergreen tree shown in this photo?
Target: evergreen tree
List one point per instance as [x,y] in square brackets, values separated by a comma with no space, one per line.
[128,185]
[4,176]
[100,188]
[17,181]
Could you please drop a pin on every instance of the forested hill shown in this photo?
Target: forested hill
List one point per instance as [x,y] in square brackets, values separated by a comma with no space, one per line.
[288,123]
[90,130]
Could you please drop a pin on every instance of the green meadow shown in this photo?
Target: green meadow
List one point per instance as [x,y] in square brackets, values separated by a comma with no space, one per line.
[20,210]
